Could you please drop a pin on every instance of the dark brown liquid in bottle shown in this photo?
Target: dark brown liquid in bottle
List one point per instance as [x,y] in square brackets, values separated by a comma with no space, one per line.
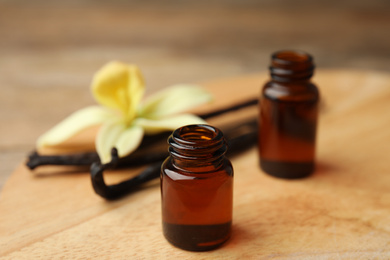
[197,189]
[288,117]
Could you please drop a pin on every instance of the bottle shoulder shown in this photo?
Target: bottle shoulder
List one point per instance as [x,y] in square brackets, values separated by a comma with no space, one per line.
[290,91]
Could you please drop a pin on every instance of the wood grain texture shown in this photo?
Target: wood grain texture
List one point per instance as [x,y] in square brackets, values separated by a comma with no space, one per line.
[341,212]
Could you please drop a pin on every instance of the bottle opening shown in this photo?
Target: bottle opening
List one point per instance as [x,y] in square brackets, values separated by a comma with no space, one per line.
[289,57]
[196,133]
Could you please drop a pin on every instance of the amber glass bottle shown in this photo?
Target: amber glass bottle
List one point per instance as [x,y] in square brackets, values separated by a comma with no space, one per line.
[197,189]
[288,116]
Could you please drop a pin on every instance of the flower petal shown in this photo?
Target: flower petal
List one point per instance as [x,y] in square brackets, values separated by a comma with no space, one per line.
[171,123]
[73,124]
[120,86]
[107,137]
[135,91]
[115,134]
[129,140]
[172,100]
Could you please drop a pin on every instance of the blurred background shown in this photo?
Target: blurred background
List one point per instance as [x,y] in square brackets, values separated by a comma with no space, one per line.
[49,50]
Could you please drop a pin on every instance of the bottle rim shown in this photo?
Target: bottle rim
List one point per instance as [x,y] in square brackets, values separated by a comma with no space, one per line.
[289,57]
[291,65]
[210,134]
[194,142]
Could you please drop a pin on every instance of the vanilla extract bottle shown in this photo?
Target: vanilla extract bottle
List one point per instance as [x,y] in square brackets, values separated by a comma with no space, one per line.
[197,189]
[288,117]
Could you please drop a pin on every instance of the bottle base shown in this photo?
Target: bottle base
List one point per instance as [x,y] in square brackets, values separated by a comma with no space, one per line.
[197,237]
[287,170]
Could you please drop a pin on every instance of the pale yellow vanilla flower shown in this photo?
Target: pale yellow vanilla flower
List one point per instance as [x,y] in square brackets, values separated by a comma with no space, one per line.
[124,119]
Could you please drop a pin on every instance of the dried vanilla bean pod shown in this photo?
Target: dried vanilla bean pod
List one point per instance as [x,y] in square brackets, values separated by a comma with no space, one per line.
[111,192]
[80,159]
[83,159]
[242,138]
[235,107]
[86,159]
[239,138]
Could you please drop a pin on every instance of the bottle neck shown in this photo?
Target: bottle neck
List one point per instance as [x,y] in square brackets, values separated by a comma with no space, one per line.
[291,66]
[197,147]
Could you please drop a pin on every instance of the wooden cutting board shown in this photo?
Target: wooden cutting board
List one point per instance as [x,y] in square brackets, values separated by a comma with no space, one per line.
[340,212]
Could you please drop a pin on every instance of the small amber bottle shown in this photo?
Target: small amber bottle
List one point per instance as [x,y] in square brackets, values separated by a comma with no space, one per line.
[288,116]
[197,189]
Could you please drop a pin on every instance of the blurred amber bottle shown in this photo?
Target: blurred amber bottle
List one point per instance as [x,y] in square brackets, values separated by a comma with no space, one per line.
[288,116]
[197,189]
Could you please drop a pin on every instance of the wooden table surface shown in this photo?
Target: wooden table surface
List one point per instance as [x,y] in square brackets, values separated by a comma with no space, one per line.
[50,50]
[341,212]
